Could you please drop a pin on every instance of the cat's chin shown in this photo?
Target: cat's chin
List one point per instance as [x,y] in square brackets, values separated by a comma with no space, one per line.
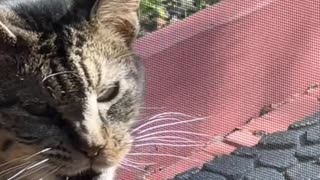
[107,174]
[86,175]
[85,169]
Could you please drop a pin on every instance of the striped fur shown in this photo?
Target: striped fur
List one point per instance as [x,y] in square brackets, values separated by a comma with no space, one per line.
[69,85]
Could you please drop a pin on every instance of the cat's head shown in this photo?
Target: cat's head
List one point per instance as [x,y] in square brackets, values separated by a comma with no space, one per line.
[70,87]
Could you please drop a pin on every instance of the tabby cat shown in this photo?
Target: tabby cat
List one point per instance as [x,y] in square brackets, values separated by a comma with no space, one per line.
[70,87]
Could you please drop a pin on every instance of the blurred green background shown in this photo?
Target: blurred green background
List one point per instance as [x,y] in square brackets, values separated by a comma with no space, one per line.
[155,14]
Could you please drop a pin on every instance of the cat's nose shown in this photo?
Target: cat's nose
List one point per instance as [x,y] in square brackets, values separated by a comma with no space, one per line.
[92,151]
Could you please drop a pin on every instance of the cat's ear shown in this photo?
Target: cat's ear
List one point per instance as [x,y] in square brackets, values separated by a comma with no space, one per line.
[6,34]
[121,15]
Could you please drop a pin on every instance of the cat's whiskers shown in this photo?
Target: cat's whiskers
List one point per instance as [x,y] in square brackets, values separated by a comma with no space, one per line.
[12,161]
[165,139]
[164,155]
[125,168]
[172,131]
[138,163]
[36,154]
[170,114]
[29,167]
[50,172]
[167,116]
[151,135]
[173,139]
[170,145]
[152,122]
[134,167]
[14,168]
[27,157]
[59,73]
[172,124]
[158,154]
[164,116]
[33,171]
[25,160]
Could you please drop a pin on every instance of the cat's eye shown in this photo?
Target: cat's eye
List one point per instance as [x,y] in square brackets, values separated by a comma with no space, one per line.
[110,93]
[26,138]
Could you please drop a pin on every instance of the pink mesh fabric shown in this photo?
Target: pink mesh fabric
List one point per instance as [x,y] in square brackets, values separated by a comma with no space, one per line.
[229,61]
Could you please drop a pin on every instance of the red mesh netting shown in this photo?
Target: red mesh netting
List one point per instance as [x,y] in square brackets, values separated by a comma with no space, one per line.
[229,61]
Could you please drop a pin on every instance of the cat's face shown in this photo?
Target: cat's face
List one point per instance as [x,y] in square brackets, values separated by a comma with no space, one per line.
[68,95]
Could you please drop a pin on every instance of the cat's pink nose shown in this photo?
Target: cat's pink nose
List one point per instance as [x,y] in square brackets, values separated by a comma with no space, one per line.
[92,151]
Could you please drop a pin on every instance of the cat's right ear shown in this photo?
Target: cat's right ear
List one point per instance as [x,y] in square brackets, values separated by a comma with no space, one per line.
[7,36]
[118,15]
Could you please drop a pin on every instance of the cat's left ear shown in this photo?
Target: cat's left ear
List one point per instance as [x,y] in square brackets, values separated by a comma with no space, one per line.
[121,15]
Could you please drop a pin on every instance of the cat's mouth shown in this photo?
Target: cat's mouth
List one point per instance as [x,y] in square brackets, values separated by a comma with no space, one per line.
[86,175]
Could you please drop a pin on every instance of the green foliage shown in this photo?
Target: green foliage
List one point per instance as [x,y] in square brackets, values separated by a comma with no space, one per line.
[149,7]
[156,13]
[150,12]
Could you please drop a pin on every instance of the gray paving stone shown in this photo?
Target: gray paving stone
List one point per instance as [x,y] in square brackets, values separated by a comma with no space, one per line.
[289,155]
[309,152]
[264,174]
[187,174]
[278,159]
[205,175]
[307,121]
[232,167]
[281,140]
[248,152]
[304,171]
[313,135]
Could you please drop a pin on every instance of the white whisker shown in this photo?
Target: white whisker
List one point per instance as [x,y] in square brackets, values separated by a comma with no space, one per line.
[125,168]
[157,154]
[171,145]
[17,174]
[33,171]
[169,113]
[42,151]
[172,141]
[53,171]
[139,163]
[58,73]
[135,167]
[165,138]
[151,107]
[37,164]
[14,160]
[171,124]
[27,168]
[153,121]
[9,170]
[24,158]
[172,131]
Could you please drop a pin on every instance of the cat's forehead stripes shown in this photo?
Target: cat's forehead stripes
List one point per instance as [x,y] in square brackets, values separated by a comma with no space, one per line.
[65,51]
[75,52]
